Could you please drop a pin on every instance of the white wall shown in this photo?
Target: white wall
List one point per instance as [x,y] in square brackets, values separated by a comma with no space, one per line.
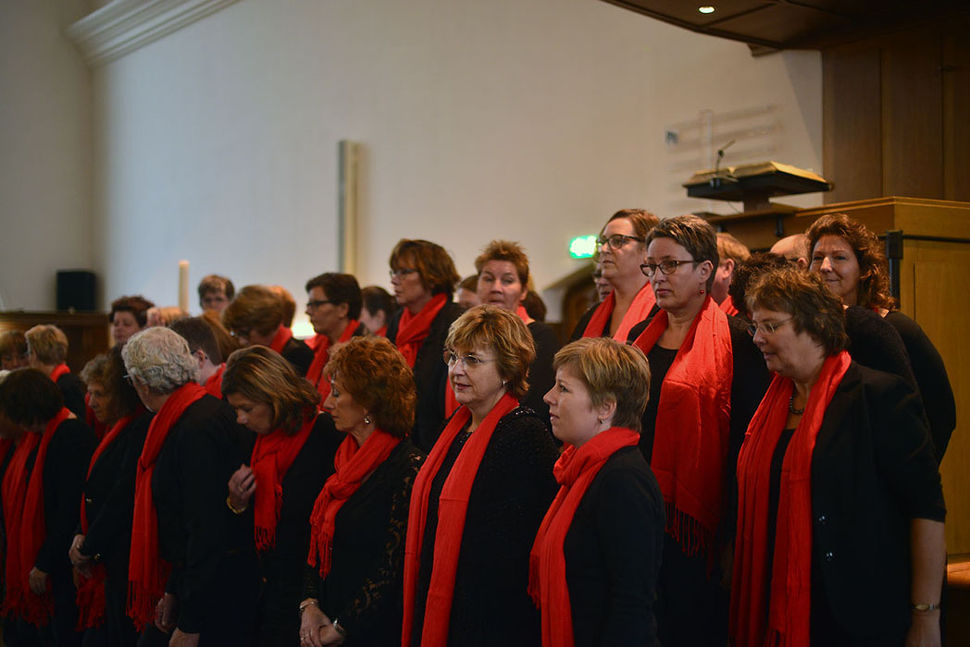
[45,153]
[525,120]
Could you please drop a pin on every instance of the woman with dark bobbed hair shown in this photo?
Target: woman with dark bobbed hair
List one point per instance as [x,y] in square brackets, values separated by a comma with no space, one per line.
[256,316]
[353,581]
[424,277]
[850,259]
[292,457]
[480,496]
[100,548]
[707,380]
[595,560]
[621,249]
[128,315]
[840,513]
[41,490]
[377,308]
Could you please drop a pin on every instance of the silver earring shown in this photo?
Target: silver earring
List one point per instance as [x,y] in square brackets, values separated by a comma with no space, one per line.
[367,420]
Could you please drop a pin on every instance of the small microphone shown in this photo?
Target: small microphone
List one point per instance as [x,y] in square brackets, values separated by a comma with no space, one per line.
[716,180]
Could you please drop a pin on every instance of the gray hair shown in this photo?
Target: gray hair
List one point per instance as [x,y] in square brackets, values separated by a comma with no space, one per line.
[160,358]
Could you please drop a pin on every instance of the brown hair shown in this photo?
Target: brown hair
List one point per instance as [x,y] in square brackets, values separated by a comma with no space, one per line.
[339,288]
[47,343]
[873,270]
[262,375]
[216,283]
[256,306]
[694,234]
[643,221]
[730,247]
[803,295]
[611,372]
[13,343]
[288,303]
[502,331]
[504,250]
[376,298]
[108,370]
[28,397]
[136,304]
[376,375]
[434,265]
[747,272]
[200,335]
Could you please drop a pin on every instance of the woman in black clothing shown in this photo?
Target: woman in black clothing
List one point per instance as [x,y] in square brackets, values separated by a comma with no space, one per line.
[257,316]
[352,592]
[293,454]
[503,281]
[100,548]
[480,496]
[851,261]
[594,564]
[47,352]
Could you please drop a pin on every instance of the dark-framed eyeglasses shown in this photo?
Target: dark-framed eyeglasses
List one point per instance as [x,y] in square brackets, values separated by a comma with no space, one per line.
[616,241]
[767,327]
[401,272]
[316,303]
[666,267]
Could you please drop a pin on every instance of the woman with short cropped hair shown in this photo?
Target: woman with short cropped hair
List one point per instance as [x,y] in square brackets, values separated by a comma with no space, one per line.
[256,316]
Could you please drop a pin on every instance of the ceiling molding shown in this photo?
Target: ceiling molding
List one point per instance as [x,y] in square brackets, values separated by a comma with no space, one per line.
[123,26]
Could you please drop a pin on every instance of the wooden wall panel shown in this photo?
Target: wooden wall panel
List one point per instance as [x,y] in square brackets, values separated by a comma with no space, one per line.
[956,111]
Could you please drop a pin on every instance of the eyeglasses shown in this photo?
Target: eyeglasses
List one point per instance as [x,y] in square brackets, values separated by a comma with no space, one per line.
[401,272]
[616,241]
[767,327]
[666,267]
[470,362]
[316,303]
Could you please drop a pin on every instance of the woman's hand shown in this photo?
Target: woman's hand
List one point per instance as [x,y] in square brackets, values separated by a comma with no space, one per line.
[165,613]
[182,639]
[312,623]
[79,560]
[242,485]
[925,630]
[330,636]
[37,579]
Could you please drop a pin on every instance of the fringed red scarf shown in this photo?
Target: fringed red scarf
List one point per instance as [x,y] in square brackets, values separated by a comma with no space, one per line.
[639,310]
[90,592]
[452,508]
[693,414]
[59,371]
[213,386]
[574,472]
[321,356]
[13,490]
[147,572]
[779,615]
[413,329]
[37,609]
[728,307]
[354,464]
[273,454]
[280,338]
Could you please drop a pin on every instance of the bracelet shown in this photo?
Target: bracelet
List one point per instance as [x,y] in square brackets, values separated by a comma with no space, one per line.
[926,608]
[229,505]
[309,602]
[340,630]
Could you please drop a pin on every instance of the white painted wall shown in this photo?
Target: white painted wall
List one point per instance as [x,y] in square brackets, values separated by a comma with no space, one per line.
[45,152]
[525,120]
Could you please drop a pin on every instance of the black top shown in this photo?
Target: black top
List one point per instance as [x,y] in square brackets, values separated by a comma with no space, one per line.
[541,375]
[613,552]
[363,590]
[73,390]
[931,378]
[195,528]
[511,492]
[430,375]
[660,360]
[281,568]
[109,496]
[65,467]
[580,327]
[297,353]
[873,471]
[875,343]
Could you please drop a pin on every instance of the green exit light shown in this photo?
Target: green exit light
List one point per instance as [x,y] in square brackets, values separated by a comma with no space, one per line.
[582,247]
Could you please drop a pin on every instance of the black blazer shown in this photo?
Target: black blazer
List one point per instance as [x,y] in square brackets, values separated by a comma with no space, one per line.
[430,375]
[541,375]
[73,390]
[297,353]
[613,552]
[873,471]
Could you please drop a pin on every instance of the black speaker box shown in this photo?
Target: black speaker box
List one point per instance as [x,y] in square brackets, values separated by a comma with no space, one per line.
[75,290]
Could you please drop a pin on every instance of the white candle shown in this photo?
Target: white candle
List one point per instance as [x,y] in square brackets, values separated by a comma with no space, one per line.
[184,285]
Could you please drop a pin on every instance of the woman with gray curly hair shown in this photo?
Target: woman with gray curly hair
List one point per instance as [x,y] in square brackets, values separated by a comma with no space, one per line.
[183,552]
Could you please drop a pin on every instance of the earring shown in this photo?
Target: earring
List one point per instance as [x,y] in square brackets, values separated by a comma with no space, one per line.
[367,420]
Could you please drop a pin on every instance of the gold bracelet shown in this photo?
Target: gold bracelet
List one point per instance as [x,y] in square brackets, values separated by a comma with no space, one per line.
[229,505]
[309,602]
[926,607]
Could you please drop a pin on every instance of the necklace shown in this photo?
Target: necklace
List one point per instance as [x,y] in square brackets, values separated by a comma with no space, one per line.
[791,406]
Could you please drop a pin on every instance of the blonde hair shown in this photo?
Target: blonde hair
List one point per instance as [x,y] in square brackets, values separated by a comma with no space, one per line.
[47,343]
[502,331]
[730,247]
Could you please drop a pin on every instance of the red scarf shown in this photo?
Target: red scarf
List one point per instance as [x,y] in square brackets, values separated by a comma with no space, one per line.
[728,307]
[412,329]
[273,454]
[693,414]
[523,314]
[213,386]
[381,332]
[639,310]
[314,341]
[96,425]
[354,464]
[574,471]
[280,339]
[147,572]
[59,371]
[13,490]
[90,592]
[779,616]
[36,609]
[452,508]
[321,356]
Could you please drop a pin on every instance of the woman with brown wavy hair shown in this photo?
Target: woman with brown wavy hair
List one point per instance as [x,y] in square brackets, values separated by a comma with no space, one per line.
[851,261]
